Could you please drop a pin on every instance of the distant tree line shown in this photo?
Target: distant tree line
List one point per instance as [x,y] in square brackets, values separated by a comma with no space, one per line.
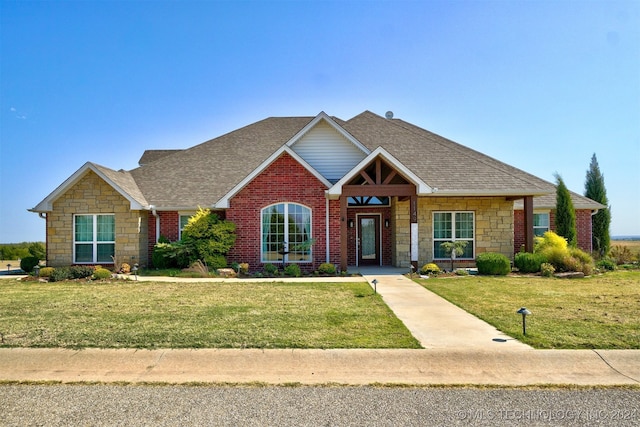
[14,251]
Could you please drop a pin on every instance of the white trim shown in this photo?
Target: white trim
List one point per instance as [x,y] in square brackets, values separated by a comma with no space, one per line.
[453,233]
[223,203]
[421,187]
[47,204]
[94,242]
[286,233]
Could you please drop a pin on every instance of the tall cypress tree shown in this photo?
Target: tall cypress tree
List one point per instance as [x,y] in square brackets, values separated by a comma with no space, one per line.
[565,213]
[595,190]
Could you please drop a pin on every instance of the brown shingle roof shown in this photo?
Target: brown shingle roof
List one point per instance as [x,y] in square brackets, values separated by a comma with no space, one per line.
[201,175]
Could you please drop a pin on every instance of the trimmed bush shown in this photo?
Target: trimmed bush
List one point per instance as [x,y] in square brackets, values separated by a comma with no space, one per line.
[327,268]
[492,263]
[215,261]
[529,263]
[27,263]
[101,273]
[430,268]
[270,269]
[46,271]
[80,271]
[293,270]
[60,274]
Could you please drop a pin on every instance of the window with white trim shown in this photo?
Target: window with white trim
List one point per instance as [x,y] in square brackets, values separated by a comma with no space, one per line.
[94,238]
[451,227]
[182,222]
[285,232]
[540,223]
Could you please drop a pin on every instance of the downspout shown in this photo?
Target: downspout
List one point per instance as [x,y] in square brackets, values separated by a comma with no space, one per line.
[326,230]
[155,214]
[43,215]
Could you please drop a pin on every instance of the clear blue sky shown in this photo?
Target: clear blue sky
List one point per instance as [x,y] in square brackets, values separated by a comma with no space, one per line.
[539,85]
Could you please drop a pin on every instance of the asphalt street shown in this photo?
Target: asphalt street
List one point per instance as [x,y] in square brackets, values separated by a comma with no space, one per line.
[146,405]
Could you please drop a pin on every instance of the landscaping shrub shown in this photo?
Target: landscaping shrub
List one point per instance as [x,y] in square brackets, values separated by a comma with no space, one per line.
[270,269]
[563,258]
[209,237]
[60,274]
[527,262]
[622,254]
[46,271]
[80,271]
[606,264]
[160,257]
[585,261]
[327,268]
[493,263]
[430,268]
[216,261]
[293,270]
[27,263]
[101,273]
[547,269]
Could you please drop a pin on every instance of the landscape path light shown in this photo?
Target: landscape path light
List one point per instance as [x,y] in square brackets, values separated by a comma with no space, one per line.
[525,313]
[375,283]
[36,270]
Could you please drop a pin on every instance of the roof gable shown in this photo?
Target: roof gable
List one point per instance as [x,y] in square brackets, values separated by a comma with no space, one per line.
[223,203]
[421,187]
[121,181]
[327,147]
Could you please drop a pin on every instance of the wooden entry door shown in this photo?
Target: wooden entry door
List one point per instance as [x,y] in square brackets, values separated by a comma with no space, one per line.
[369,240]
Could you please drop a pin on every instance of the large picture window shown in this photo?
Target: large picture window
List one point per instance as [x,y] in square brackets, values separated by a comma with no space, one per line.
[451,227]
[94,238]
[286,227]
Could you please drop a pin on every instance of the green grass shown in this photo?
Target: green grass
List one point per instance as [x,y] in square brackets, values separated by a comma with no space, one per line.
[595,312]
[197,315]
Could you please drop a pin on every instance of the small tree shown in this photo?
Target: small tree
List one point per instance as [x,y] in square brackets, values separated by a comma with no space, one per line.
[565,213]
[454,249]
[595,190]
[210,236]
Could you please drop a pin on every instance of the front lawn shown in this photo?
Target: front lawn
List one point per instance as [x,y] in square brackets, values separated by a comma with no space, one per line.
[595,312]
[197,315]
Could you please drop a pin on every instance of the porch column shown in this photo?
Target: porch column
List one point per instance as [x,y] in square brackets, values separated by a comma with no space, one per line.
[528,223]
[343,233]
[413,214]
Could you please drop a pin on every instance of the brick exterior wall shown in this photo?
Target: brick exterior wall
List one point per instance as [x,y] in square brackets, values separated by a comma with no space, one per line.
[92,195]
[285,180]
[583,226]
[494,222]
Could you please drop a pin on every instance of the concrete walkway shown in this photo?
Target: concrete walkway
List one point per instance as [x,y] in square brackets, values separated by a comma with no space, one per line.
[432,320]
[459,349]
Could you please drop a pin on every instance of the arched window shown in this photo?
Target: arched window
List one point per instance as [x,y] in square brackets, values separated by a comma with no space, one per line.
[286,232]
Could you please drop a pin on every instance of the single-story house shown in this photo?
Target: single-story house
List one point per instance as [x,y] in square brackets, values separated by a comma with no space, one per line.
[370,190]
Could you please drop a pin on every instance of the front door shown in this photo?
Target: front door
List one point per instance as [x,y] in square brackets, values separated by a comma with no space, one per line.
[369,239]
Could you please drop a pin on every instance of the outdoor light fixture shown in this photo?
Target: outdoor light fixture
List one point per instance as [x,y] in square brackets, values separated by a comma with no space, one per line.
[524,313]
[350,222]
[135,270]
[386,223]
[36,270]
[375,288]
[8,267]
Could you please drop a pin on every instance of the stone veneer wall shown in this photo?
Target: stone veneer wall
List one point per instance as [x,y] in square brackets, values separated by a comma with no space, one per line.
[493,226]
[92,195]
